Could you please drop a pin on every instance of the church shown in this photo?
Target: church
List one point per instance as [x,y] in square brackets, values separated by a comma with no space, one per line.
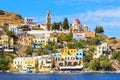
[77,27]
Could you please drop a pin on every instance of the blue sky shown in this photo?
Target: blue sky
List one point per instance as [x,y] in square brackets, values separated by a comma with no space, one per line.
[89,12]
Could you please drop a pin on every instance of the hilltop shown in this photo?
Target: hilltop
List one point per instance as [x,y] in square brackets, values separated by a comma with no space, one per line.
[10,18]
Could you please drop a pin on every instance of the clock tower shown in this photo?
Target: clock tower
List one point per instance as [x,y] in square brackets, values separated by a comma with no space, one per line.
[48,20]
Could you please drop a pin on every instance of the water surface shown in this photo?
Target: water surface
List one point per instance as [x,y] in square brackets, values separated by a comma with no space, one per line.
[60,76]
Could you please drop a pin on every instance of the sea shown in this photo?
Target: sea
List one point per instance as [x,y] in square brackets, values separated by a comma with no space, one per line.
[82,76]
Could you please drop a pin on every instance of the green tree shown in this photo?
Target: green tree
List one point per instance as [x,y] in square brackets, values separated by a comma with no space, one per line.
[36,65]
[99,29]
[5,28]
[94,41]
[29,51]
[87,57]
[105,63]
[56,25]
[66,37]
[11,34]
[94,64]
[2,12]
[116,55]
[65,24]
[5,60]
[74,45]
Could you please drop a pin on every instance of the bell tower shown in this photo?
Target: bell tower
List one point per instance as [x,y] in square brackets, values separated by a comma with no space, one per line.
[48,20]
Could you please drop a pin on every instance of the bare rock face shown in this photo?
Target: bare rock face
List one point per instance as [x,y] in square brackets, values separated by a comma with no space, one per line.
[10,18]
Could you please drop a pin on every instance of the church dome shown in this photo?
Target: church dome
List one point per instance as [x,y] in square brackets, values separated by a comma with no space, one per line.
[76,21]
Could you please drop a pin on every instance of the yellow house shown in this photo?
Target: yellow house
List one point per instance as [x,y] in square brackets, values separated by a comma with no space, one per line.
[68,51]
[51,39]
[29,62]
[1,41]
[25,39]
[18,63]
[43,64]
[24,63]
[11,42]
[5,38]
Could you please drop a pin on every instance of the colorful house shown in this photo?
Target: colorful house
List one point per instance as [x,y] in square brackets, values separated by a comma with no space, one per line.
[89,35]
[16,29]
[45,64]
[25,39]
[68,51]
[40,40]
[100,50]
[40,63]
[24,63]
[78,36]
[7,43]
[79,55]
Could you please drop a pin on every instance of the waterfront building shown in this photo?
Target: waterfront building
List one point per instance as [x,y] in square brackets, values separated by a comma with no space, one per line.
[58,61]
[79,54]
[40,63]
[45,64]
[68,51]
[29,62]
[69,59]
[24,63]
[18,63]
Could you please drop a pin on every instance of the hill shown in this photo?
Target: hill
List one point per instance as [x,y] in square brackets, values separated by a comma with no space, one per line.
[10,18]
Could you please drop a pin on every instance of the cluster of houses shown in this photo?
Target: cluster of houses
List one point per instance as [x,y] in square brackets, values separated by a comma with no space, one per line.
[6,43]
[67,59]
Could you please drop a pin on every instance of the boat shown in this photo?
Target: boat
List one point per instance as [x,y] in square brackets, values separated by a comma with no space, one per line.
[51,71]
[25,71]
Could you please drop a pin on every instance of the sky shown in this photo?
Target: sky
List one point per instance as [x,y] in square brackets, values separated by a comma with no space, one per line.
[92,13]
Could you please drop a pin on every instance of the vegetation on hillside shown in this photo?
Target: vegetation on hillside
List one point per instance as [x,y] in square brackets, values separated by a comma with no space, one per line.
[65,24]
[5,60]
[99,29]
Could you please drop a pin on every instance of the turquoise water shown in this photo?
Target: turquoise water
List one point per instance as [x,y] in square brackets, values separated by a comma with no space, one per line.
[59,76]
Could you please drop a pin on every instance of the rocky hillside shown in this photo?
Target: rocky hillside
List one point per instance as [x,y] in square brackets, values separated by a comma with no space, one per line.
[10,18]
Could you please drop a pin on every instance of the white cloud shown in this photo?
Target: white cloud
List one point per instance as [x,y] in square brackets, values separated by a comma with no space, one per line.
[108,18]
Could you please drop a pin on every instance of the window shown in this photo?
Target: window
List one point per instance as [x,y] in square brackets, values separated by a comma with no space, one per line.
[80,53]
[31,62]
[68,58]
[56,59]
[25,62]
[77,54]
[99,51]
